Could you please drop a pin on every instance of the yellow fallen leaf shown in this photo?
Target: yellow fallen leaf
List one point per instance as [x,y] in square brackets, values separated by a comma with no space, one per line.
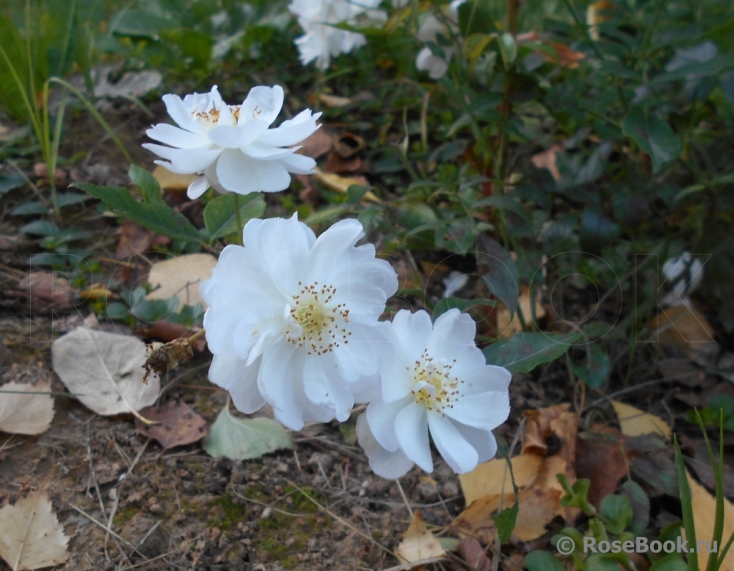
[539,499]
[704,517]
[342,184]
[171,180]
[181,277]
[635,422]
[493,477]
[334,100]
[30,534]
[418,543]
[508,325]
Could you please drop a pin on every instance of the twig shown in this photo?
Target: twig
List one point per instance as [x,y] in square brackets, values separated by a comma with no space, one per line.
[405,498]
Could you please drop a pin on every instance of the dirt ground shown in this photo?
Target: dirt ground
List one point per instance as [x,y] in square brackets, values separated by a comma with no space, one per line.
[128,504]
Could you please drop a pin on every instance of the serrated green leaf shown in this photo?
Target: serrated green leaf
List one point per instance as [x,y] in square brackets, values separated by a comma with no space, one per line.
[147,183]
[219,214]
[653,135]
[525,351]
[160,218]
[244,438]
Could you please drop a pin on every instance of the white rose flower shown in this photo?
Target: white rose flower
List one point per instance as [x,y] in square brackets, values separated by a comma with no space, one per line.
[322,40]
[430,28]
[293,319]
[232,145]
[434,380]
[685,274]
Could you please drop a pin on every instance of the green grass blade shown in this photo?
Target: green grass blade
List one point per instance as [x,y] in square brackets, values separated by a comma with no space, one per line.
[686,505]
[96,114]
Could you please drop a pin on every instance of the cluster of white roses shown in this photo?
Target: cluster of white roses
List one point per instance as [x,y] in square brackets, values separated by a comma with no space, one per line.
[292,319]
[293,322]
[323,40]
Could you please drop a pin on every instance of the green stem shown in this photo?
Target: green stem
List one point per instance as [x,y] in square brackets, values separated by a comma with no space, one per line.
[238,218]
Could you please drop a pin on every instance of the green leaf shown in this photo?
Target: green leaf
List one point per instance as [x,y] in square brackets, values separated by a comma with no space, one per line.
[244,439]
[640,503]
[525,351]
[448,543]
[147,183]
[508,49]
[355,192]
[542,561]
[618,510]
[653,135]
[219,214]
[595,369]
[34,207]
[461,304]
[8,183]
[671,562]
[71,198]
[505,522]
[599,562]
[160,218]
[40,228]
[501,272]
[138,22]
[327,214]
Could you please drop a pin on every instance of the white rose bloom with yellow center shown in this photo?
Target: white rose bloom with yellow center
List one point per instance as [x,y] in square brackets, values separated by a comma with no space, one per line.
[233,146]
[434,380]
[293,319]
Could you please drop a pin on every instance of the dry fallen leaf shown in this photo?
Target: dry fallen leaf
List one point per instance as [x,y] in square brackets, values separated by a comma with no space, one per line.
[342,184]
[179,425]
[635,422]
[334,100]
[181,277]
[29,413]
[418,543]
[704,516]
[602,459]
[684,326]
[104,370]
[47,289]
[134,239]
[547,160]
[552,424]
[30,534]
[173,181]
[494,476]
[508,325]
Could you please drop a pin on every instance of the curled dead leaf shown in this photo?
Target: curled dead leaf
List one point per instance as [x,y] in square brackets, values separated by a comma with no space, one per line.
[175,425]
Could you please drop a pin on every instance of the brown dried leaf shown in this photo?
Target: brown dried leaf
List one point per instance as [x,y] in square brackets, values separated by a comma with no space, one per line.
[134,240]
[317,144]
[334,100]
[348,144]
[181,277]
[178,425]
[472,553]
[601,459]
[418,543]
[26,413]
[547,160]
[635,422]
[47,289]
[556,427]
[30,534]
[683,326]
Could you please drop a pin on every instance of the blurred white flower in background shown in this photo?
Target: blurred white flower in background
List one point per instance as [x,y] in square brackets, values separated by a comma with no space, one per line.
[434,379]
[435,65]
[322,40]
[684,274]
[232,145]
[293,319]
